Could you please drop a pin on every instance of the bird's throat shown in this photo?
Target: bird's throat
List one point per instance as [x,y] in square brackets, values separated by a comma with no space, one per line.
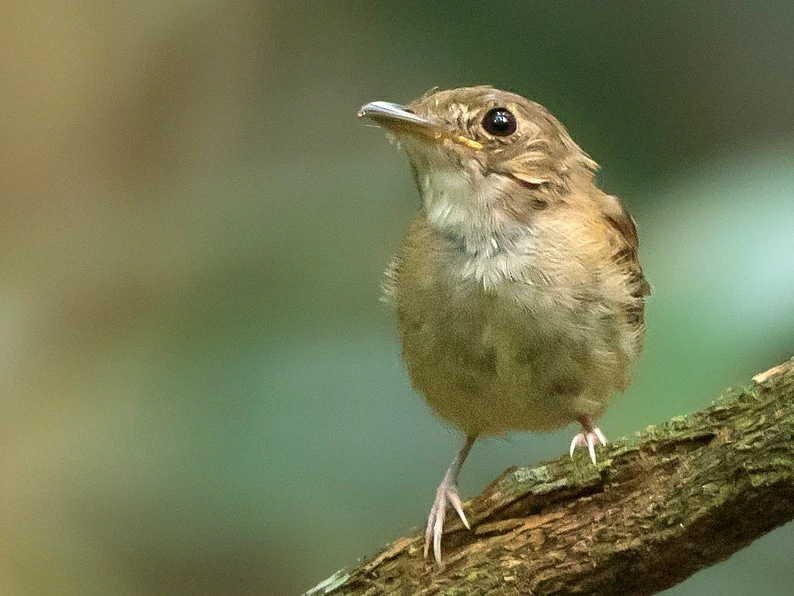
[466,213]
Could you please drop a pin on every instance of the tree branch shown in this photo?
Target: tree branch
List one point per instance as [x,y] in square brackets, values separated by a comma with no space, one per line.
[675,499]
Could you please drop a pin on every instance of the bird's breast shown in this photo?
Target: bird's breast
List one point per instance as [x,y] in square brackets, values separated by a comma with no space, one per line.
[492,348]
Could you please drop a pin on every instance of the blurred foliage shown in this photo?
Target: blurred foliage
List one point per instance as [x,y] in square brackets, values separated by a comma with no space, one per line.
[203,394]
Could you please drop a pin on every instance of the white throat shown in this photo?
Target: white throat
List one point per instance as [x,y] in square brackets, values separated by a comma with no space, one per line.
[491,244]
[468,211]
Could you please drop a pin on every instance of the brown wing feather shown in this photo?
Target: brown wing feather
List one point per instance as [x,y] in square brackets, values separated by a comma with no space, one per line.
[626,255]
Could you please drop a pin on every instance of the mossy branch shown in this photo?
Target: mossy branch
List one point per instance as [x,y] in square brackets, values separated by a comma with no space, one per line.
[657,508]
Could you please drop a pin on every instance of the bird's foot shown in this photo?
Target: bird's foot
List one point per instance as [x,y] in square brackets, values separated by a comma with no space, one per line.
[447,493]
[589,438]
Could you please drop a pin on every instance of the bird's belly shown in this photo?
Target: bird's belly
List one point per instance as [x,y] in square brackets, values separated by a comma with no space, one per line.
[490,364]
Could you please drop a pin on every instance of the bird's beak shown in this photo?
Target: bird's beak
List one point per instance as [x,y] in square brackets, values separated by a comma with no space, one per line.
[396,118]
[400,120]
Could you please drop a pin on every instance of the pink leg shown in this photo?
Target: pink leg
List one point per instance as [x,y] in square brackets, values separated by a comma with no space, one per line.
[589,438]
[447,493]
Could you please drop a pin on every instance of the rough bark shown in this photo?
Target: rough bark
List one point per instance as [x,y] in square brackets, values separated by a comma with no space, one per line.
[658,507]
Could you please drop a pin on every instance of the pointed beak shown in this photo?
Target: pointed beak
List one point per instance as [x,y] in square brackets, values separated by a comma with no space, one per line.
[401,120]
[396,118]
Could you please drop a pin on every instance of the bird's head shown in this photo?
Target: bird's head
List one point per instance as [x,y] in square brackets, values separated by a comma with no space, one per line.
[479,148]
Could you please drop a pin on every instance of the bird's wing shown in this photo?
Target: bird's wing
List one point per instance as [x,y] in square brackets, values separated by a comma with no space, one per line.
[389,284]
[625,255]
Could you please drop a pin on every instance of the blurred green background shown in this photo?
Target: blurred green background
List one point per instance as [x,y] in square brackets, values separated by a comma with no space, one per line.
[202,393]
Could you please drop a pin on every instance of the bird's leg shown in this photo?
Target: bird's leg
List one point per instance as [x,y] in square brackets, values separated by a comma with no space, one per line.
[447,493]
[589,437]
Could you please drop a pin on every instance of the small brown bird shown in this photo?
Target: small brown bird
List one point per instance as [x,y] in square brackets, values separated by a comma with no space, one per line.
[519,293]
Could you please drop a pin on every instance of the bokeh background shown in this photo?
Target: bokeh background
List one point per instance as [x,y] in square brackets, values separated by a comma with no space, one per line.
[201,391]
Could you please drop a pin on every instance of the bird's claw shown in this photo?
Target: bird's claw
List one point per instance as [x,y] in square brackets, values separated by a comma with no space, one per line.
[589,438]
[447,493]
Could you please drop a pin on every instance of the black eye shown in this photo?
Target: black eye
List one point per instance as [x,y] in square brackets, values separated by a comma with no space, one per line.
[499,122]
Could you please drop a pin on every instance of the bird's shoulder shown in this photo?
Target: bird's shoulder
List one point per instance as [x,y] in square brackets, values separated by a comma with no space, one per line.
[624,252]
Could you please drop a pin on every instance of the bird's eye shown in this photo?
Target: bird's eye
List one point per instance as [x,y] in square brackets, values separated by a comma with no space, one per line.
[499,122]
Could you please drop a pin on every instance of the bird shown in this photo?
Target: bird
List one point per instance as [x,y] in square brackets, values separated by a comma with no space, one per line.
[518,289]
